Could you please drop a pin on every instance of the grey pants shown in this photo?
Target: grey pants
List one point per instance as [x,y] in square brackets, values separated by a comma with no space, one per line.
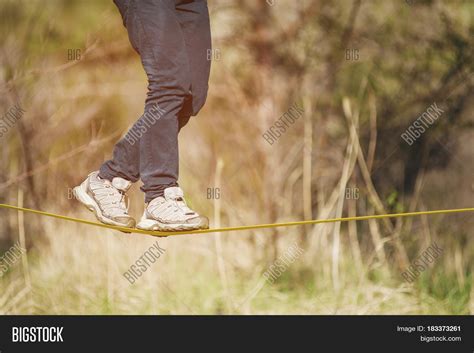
[173,40]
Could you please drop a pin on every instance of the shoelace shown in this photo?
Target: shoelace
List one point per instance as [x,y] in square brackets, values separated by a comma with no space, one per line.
[180,204]
[111,199]
[183,206]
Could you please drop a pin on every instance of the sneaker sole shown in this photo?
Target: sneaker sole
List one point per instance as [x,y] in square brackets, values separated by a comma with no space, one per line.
[151,224]
[82,196]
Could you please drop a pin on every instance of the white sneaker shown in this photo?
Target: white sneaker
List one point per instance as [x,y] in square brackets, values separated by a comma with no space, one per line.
[106,199]
[170,213]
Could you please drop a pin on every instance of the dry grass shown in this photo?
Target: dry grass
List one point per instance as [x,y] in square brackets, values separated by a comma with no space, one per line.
[76,269]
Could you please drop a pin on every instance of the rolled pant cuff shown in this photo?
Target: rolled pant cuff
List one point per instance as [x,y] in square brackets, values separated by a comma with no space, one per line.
[106,173]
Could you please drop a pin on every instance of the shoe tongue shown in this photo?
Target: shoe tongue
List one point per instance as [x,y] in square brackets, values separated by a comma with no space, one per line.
[173,193]
[121,184]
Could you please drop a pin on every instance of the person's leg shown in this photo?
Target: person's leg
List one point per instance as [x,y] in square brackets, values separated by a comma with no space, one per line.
[150,149]
[169,212]
[156,35]
[103,192]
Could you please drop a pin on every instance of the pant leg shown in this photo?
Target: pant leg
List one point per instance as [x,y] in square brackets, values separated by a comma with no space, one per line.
[128,160]
[156,34]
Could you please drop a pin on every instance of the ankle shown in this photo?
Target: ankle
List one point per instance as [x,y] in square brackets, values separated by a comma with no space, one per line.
[159,191]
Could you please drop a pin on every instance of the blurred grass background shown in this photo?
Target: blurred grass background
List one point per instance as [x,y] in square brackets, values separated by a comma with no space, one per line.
[363,71]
